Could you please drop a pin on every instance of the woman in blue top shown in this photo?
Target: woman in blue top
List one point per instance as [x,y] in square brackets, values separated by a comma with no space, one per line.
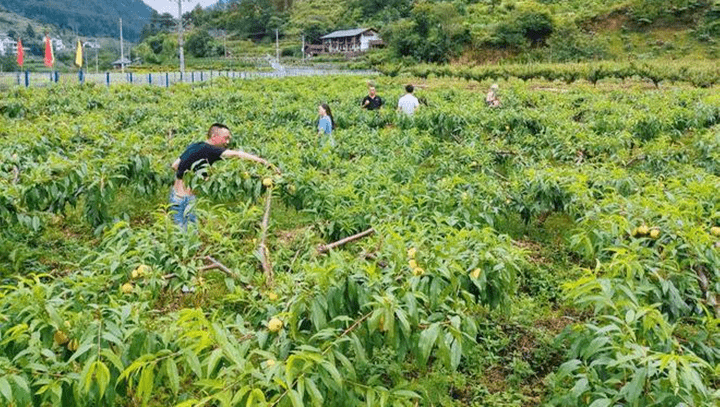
[325,125]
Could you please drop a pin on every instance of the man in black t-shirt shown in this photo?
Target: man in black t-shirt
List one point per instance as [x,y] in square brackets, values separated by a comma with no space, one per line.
[199,155]
[372,101]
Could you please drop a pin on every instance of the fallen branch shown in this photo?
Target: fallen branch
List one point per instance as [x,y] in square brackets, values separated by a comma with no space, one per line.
[327,247]
[634,160]
[264,252]
[217,264]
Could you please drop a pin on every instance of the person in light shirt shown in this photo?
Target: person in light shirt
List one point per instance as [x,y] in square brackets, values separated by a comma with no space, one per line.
[408,103]
[492,99]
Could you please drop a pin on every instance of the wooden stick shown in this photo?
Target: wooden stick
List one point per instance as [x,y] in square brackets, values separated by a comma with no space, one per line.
[326,247]
[217,264]
[264,252]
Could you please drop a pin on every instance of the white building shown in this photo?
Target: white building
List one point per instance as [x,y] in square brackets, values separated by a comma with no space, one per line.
[57,44]
[351,41]
[8,46]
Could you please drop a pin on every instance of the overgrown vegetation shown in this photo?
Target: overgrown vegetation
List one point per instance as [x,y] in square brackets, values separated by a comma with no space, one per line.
[559,250]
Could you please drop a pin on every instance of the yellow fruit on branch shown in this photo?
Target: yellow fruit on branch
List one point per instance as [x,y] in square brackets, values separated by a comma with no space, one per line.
[643,230]
[413,264]
[715,230]
[60,337]
[270,362]
[418,271]
[268,182]
[275,325]
[475,274]
[411,252]
[655,233]
[272,296]
[73,345]
[127,288]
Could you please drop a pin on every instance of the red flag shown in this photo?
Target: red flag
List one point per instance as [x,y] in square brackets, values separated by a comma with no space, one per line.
[20,53]
[49,56]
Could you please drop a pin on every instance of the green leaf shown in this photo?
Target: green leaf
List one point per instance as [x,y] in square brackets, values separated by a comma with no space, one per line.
[213,360]
[633,389]
[103,376]
[295,398]
[601,403]
[315,395]
[427,340]
[5,389]
[455,354]
[194,363]
[330,368]
[113,358]
[145,385]
[22,391]
[172,374]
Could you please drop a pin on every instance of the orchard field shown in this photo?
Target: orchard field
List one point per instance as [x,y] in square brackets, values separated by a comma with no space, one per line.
[561,250]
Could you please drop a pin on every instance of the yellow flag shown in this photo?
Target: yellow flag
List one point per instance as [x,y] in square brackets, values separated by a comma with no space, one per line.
[78,54]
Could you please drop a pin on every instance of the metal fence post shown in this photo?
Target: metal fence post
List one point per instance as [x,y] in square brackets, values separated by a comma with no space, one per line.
[27,78]
[192,77]
[130,76]
[150,78]
[166,80]
[201,76]
[57,76]
[107,78]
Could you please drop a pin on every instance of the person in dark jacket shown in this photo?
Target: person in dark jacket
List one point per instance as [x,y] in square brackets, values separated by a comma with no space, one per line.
[198,155]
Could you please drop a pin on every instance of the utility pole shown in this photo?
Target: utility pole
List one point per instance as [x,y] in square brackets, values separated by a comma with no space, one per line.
[180,39]
[96,60]
[303,47]
[122,52]
[225,43]
[277,47]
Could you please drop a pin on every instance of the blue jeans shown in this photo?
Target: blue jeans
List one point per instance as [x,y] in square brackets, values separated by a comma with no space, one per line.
[181,207]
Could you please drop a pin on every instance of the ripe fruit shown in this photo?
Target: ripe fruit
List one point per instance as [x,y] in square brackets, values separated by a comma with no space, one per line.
[411,252]
[475,274]
[275,325]
[60,337]
[272,296]
[245,175]
[643,230]
[715,230]
[127,288]
[413,264]
[291,189]
[418,271]
[73,345]
[655,233]
[270,363]
[268,182]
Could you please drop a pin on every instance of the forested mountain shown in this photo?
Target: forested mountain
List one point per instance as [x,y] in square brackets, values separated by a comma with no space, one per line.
[88,17]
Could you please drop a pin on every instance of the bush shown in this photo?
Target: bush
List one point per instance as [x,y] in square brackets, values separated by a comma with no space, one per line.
[294,52]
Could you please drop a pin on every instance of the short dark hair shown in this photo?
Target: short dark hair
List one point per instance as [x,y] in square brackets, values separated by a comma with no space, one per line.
[215,127]
[409,88]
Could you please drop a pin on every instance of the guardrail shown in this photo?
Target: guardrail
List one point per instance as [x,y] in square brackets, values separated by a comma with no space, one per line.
[41,79]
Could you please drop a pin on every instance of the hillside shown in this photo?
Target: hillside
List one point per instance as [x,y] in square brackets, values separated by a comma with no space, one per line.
[87,17]
[480,31]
